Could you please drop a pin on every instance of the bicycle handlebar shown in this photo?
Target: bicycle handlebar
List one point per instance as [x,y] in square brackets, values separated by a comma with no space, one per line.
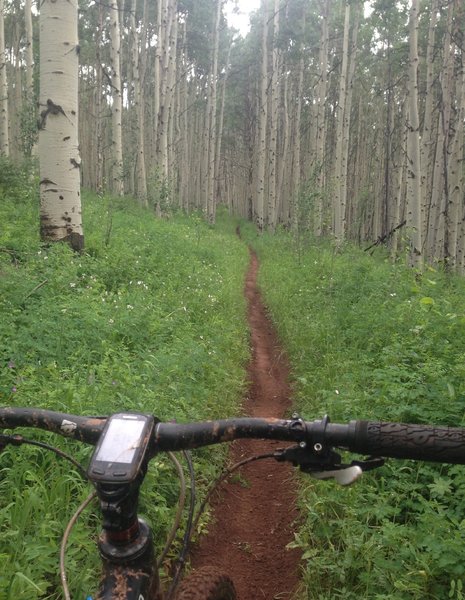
[395,440]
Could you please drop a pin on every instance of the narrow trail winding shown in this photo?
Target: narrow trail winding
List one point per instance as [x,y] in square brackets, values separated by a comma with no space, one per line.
[255,513]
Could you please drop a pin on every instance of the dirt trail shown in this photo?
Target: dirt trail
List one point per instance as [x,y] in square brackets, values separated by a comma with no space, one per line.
[254,514]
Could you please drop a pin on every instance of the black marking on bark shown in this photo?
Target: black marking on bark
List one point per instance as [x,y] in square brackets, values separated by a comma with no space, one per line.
[52,109]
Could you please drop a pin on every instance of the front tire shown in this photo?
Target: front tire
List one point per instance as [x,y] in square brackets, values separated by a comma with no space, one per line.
[207,583]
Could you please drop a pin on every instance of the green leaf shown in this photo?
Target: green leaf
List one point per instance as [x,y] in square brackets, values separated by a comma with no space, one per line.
[426,301]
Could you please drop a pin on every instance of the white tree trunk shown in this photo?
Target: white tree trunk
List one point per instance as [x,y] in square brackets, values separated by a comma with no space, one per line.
[60,198]
[211,188]
[413,147]
[4,137]
[117,96]
[260,198]
[339,198]
[141,181]
[320,119]
[456,173]
[427,142]
[273,141]
[29,49]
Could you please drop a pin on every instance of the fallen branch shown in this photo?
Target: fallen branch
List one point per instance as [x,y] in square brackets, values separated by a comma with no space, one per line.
[384,238]
[34,290]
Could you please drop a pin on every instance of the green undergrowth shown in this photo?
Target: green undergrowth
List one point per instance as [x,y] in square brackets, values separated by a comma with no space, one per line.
[369,340]
[151,317]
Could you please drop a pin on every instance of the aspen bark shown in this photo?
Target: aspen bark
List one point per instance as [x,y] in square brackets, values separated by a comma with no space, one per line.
[273,139]
[413,147]
[262,126]
[456,162]
[60,201]
[30,147]
[211,123]
[427,142]
[117,98]
[184,160]
[283,174]
[219,139]
[343,190]
[29,49]
[141,180]
[339,198]
[439,202]
[99,178]
[4,121]
[170,95]
[163,115]
[161,11]
[320,116]
[401,167]
[297,145]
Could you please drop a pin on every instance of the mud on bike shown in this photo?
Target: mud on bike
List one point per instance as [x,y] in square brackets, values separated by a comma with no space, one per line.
[126,442]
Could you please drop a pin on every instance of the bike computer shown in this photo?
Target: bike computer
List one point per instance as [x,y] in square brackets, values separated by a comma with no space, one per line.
[121,448]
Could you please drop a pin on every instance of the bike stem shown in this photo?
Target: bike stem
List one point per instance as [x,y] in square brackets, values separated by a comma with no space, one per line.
[124,537]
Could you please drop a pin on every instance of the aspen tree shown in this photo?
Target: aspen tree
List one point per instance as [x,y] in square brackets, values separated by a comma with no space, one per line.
[297,137]
[161,21]
[4,121]
[263,119]
[211,118]
[141,181]
[31,146]
[339,205]
[117,100]
[60,201]
[401,168]
[184,160]
[413,147]
[170,93]
[29,48]
[273,118]
[292,182]
[219,140]
[347,114]
[167,41]
[439,204]
[456,171]
[427,141]
[99,179]
[320,115]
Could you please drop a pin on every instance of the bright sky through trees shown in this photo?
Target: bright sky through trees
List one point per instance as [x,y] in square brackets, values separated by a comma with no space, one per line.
[240,19]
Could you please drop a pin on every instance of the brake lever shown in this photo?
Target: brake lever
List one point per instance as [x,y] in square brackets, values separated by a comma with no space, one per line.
[345,476]
[324,463]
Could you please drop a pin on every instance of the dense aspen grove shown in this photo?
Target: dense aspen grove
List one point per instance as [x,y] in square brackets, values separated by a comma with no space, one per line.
[340,117]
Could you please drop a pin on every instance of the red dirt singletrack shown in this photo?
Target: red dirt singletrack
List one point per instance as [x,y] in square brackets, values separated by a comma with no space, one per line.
[254,514]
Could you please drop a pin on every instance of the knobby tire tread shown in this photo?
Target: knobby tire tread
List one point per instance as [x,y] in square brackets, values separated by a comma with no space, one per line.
[207,583]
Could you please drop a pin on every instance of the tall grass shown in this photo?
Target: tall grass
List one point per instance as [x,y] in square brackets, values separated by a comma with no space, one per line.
[150,317]
[372,340]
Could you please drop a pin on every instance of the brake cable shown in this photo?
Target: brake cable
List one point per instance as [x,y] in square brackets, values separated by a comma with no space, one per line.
[18,440]
[64,541]
[181,560]
[180,509]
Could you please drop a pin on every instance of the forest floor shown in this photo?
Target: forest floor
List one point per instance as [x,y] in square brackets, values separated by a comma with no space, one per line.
[254,514]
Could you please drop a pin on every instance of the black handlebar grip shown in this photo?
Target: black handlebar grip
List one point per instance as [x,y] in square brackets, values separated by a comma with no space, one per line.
[399,440]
